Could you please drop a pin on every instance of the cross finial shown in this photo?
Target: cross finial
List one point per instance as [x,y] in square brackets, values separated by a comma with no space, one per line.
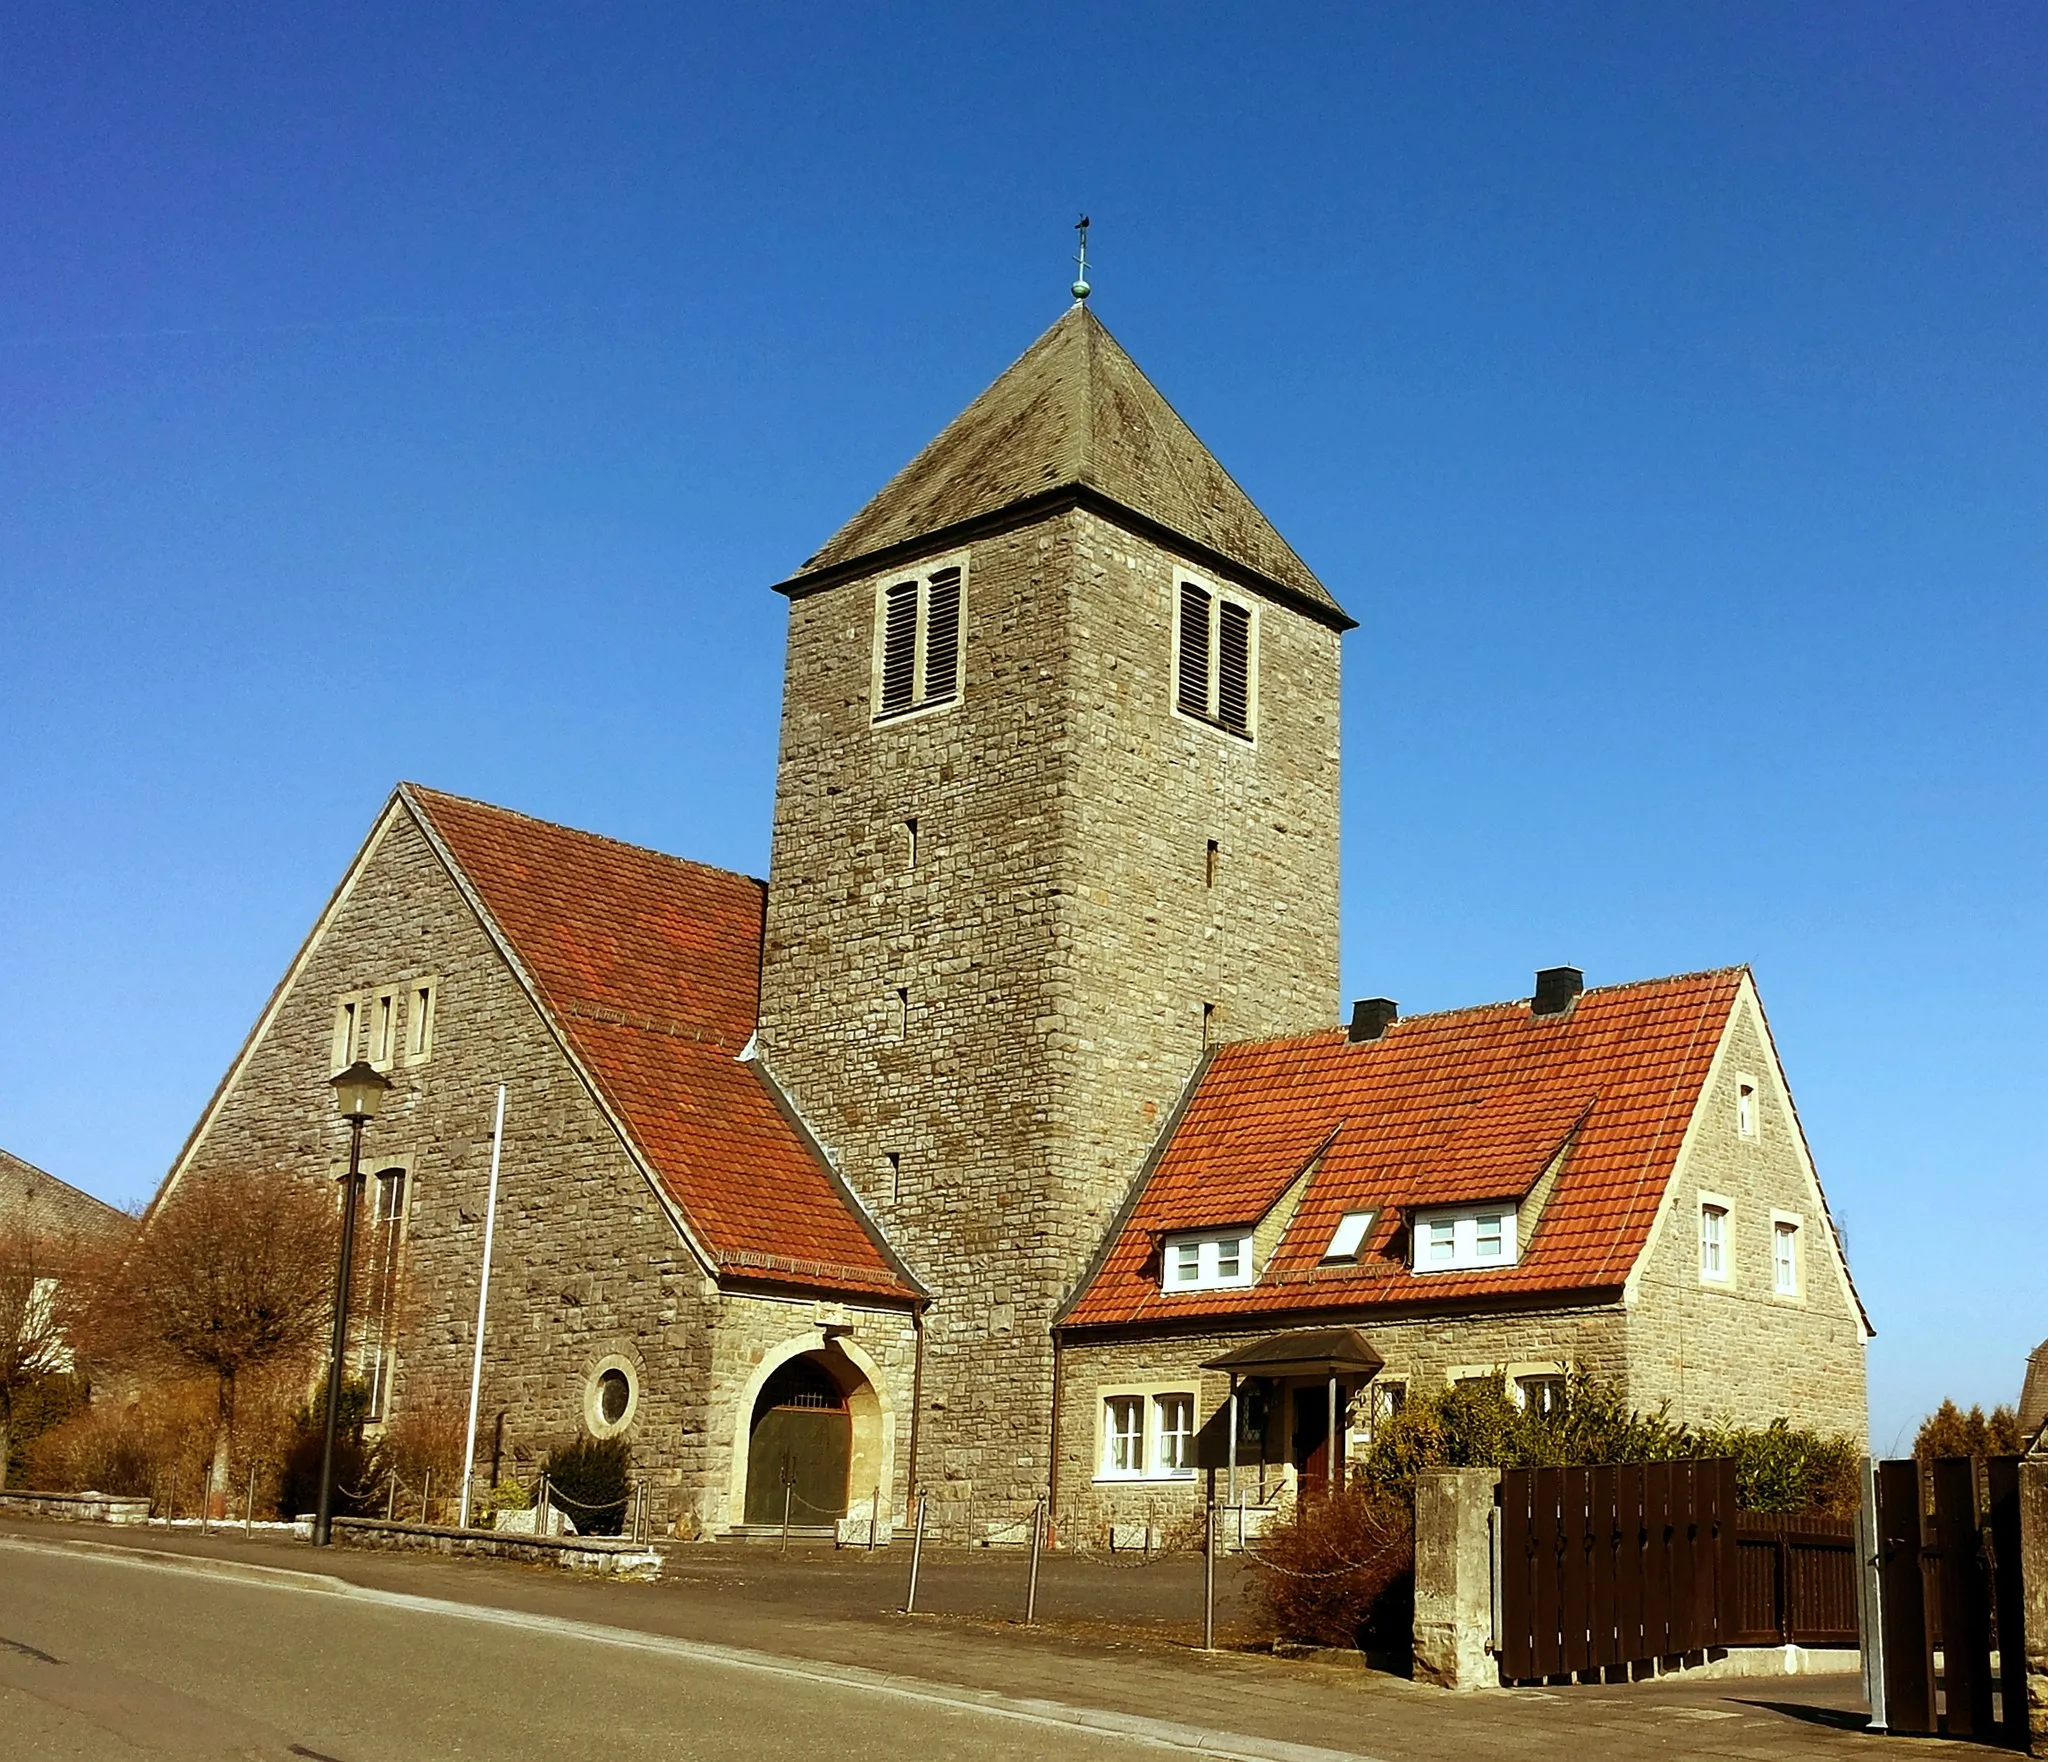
[1081,280]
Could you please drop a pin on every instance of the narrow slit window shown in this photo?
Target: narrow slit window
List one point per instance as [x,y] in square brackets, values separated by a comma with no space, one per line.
[419,1025]
[910,841]
[1209,864]
[346,1015]
[902,1013]
[1208,1024]
[1745,1106]
[383,1028]
[893,1166]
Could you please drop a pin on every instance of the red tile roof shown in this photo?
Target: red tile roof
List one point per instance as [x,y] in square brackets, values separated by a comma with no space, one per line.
[650,968]
[1469,1105]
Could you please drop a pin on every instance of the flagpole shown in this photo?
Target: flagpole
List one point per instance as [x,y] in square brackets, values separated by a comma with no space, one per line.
[483,1300]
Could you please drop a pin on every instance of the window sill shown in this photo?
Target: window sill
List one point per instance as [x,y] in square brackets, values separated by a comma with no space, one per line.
[1211,723]
[1173,1477]
[910,711]
[1465,1266]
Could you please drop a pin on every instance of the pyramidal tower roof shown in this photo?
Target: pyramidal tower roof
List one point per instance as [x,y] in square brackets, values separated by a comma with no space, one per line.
[1073,421]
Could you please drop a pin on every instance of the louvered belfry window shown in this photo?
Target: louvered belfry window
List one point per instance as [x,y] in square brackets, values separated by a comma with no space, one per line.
[1213,662]
[920,643]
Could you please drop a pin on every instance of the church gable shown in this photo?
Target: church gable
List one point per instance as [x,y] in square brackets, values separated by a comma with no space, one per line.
[648,969]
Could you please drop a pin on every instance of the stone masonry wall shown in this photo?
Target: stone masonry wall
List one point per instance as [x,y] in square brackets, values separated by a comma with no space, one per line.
[1057,939]
[587,1263]
[1737,1350]
[1421,1351]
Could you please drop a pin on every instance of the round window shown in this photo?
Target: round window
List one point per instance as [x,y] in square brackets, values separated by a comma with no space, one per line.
[611,1397]
[614,1395]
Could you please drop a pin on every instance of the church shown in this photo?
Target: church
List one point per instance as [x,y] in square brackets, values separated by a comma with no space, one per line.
[1009,1143]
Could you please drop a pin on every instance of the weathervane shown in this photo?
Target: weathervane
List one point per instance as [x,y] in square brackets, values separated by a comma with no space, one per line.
[1081,280]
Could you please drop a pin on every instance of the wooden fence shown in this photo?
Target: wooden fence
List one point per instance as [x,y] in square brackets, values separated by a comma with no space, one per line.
[1610,1566]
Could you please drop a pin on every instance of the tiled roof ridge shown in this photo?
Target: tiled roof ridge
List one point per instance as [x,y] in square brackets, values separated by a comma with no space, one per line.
[1470,1011]
[427,793]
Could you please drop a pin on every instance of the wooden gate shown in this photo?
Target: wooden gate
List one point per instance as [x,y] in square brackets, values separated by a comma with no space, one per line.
[1948,1553]
[1795,1580]
[1602,1567]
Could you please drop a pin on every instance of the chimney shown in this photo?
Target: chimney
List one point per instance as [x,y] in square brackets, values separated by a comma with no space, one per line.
[1556,989]
[1371,1017]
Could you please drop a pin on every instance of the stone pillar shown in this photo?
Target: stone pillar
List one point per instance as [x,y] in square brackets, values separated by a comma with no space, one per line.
[2034,1581]
[1454,1578]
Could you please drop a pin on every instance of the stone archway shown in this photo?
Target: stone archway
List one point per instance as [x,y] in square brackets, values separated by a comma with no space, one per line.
[815,1414]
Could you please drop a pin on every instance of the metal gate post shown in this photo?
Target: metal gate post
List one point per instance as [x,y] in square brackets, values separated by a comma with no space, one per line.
[1209,1572]
[1037,1541]
[1870,1595]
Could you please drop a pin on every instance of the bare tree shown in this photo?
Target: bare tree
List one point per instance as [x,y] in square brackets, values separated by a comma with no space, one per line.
[232,1275]
[44,1282]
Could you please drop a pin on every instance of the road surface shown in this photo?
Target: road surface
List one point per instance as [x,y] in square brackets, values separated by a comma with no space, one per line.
[110,1654]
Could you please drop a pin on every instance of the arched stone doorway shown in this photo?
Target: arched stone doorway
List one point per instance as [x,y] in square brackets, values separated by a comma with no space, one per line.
[799,1446]
[815,1409]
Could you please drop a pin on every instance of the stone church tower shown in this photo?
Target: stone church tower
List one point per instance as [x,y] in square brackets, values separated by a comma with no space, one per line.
[1056,809]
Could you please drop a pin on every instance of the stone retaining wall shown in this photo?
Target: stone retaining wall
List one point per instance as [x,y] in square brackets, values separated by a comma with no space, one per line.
[76,1507]
[598,1555]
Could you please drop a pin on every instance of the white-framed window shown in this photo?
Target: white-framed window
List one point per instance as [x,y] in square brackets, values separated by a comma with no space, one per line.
[1215,658]
[1348,1237]
[1174,1421]
[1540,1392]
[1123,1435]
[1148,1433]
[422,996]
[1716,1255]
[1784,1254]
[1385,1396]
[1465,1239]
[1214,1260]
[1745,1106]
[920,636]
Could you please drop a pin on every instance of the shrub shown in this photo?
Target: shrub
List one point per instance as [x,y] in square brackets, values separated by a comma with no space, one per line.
[356,1491]
[155,1444]
[592,1475]
[40,1407]
[1341,1573]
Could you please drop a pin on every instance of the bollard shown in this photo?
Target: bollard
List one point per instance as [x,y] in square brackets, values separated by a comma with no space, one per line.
[1037,1539]
[1209,1576]
[788,1493]
[249,1508]
[206,1504]
[426,1497]
[916,1555]
[391,1503]
[874,1516]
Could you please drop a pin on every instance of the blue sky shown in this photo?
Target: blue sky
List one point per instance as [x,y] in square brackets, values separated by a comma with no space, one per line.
[435,393]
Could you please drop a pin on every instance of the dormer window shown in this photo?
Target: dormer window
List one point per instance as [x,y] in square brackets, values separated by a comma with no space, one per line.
[1212,1261]
[1215,653]
[1466,1239]
[1349,1238]
[918,634]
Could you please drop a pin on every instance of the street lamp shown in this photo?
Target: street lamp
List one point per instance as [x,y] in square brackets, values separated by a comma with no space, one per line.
[357,1092]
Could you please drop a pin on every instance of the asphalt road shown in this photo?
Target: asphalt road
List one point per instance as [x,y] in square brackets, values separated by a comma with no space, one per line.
[105,1656]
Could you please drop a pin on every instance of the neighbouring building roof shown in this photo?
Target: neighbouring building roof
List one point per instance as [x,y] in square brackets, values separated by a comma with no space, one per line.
[2034,1392]
[649,968]
[33,1197]
[1073,414]
[1466,1106]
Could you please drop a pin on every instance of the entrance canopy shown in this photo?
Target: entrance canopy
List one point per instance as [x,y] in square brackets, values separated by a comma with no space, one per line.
[1311,1352]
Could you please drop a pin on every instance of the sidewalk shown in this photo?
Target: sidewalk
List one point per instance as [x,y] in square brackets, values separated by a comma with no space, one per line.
[1111,1636]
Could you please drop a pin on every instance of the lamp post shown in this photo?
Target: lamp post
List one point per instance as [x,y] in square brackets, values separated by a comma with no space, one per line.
[357,1091]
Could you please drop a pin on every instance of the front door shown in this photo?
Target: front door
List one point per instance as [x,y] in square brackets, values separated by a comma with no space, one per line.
[800,1449]
[1311,1442]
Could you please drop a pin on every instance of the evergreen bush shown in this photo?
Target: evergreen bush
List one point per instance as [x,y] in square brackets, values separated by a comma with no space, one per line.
[592,1476]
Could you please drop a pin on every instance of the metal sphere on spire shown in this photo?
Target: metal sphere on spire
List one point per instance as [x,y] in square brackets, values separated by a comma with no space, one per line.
[1081,289]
